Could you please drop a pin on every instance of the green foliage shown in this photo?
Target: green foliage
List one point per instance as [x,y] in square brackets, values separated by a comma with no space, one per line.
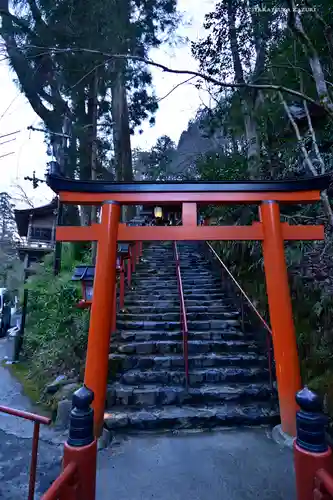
[222,167]
[11,268]
[155,165]
[56,331]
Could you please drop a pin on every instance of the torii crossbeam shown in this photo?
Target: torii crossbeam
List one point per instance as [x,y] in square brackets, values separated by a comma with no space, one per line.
[268,195]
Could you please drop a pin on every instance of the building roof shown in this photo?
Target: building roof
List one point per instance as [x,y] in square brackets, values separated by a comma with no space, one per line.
[22,216]
[58,183]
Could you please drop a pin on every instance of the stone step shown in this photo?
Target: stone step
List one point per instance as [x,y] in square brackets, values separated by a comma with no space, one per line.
[223,324]
[161,260]
[175,315]
[163,307]
[172,282]
[131,301]
[140,336]
[152,297]
[169,276]
[147,396]
[196,377]
[122,362]
[147,274]
[194,347]
[187,417]
[188,288]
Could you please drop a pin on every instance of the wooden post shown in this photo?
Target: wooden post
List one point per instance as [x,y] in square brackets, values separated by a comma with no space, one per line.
[281,316]
[133,255]
[311,450]
[101,316]
[81,447]
[114,311]
[122,286]
[129,270]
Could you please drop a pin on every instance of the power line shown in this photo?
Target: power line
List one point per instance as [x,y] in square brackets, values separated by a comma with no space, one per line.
[10,133]
[9,140]
[10,105]
[7,154]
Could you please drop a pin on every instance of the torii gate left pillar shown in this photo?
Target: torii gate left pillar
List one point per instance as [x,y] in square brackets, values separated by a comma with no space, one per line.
[100,326]
[271,231]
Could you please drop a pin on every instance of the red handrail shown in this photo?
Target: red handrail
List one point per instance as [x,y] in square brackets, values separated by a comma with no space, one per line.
[253,307]
[183,318]
[37,419]
[65,486]
[323,485]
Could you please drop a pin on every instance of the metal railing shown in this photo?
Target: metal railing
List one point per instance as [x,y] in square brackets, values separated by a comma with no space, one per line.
[323,485]
[24,242]
[245,299]
[37,419]
[183,318]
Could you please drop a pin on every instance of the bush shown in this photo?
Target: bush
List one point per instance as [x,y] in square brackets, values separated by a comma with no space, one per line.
[55,339]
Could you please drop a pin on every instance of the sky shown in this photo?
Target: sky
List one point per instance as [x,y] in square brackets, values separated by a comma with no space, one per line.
[28,151]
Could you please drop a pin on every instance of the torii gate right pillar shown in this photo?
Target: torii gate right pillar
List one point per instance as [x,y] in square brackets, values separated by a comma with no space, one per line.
[281,316]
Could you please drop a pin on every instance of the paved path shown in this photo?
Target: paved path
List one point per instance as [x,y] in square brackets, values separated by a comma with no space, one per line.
[15,442]
[226,465]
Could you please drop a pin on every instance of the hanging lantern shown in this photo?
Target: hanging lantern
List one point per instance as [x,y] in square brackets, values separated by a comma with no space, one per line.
[85,274]
[158,212]
[124,250]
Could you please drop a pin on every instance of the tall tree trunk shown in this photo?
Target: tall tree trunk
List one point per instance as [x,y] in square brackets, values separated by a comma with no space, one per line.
[92,115]
[121,129]
[120,114]
[247,98]
[121,132]
[297,29]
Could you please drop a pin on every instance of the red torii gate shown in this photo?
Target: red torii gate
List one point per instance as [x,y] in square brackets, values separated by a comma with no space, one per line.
[270,230]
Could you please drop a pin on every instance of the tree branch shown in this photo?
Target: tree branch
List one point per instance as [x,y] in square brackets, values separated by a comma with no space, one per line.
[203,76]
[175,88]
[314,138]
[307,159]
[19,22]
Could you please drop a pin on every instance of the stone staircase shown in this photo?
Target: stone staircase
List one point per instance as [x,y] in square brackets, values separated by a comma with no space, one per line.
[229,379]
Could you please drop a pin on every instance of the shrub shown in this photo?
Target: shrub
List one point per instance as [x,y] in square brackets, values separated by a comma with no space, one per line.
[56,331]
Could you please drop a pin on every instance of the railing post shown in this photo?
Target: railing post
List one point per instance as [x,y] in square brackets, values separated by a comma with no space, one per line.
[129,269]
[122,286]
[81,446]
[33,464]
[311,451]
[133,257]
[114,310]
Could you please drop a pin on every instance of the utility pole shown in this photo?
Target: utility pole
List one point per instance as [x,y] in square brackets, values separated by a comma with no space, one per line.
[59,141]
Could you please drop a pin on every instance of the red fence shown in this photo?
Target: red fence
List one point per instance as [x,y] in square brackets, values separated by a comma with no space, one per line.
[37,419]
